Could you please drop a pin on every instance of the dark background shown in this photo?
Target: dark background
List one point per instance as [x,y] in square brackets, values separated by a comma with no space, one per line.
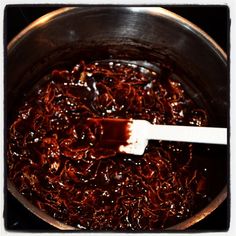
[212,19]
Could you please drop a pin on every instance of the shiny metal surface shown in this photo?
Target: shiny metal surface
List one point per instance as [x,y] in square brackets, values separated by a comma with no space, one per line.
[130,33]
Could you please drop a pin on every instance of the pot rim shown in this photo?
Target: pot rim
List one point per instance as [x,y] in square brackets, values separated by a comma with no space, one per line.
[156,11]
[148,10]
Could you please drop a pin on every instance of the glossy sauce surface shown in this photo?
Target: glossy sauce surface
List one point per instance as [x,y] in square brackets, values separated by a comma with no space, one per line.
[54,161]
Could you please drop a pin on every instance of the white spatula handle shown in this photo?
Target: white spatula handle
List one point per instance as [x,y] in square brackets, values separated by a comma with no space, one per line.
[188,134]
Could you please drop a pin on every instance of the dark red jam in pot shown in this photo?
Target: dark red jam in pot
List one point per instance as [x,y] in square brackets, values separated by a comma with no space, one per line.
[53,159]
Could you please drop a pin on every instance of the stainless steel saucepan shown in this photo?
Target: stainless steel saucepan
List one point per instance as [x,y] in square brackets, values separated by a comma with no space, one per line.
[65,36]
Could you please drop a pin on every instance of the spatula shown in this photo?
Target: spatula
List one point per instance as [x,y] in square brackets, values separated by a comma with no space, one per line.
[131,136]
